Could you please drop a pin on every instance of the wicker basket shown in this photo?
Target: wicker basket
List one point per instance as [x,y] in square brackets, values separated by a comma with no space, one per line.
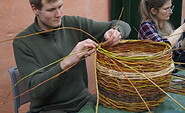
[129,61]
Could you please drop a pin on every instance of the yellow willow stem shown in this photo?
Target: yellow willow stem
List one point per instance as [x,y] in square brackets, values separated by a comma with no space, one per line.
[159,61]
[6,101]
[40,70]
[51,31]
[72,28]
[95,59]
[96,78]
[178,48]
[180,69]
[154,84]
[116,26]
[178,78]
[53,62]
[133,86]
[114,55]
[6,40]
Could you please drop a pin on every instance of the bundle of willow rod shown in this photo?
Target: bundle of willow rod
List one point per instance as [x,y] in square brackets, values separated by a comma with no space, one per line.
[136,62]
[177,85]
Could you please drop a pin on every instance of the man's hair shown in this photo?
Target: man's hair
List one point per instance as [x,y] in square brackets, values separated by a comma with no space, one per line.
[38,3]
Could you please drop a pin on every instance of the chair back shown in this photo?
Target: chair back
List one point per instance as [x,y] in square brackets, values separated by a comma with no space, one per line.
[18,89]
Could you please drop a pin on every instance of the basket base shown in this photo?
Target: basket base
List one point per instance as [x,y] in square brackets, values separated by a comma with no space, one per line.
[131,107]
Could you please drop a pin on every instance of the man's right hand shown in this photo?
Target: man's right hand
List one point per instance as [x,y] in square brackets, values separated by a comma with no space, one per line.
[82,50]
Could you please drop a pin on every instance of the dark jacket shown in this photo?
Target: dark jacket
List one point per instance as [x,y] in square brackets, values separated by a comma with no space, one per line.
[36,51]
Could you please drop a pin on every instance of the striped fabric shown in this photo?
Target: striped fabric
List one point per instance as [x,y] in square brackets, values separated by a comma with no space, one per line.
[148,31]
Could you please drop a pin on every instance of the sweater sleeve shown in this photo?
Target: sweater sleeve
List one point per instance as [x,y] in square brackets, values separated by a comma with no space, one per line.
[96,28]
[28,67]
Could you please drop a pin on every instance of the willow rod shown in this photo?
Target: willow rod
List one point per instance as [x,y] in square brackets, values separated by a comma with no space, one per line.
[52,62]
[132,86]
[56,61]
[51,31]
[96,76]
[38,71]
[155,85]
[6,101]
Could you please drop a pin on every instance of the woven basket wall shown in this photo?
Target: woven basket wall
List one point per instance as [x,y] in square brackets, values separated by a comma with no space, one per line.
[133,58]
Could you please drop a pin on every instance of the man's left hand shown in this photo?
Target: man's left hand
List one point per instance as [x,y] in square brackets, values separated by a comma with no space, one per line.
[112,37]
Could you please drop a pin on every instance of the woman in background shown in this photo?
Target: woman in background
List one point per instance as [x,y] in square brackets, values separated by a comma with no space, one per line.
[155,24]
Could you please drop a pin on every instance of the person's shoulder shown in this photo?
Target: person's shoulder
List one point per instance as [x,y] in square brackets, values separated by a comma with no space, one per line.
[147,22]
[25,34]
[26,31]
[66,17]
[74,20]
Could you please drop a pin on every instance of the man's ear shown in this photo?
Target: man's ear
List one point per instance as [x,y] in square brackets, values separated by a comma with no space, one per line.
[34,9]
[153,11]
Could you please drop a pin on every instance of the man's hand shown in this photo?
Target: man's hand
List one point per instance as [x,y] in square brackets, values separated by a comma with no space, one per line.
[82,50]
[112,37]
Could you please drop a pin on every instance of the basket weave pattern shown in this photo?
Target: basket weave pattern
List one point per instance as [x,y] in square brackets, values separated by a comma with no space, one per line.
[152,59]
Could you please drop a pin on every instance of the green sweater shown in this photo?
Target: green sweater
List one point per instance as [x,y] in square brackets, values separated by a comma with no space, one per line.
[37,51]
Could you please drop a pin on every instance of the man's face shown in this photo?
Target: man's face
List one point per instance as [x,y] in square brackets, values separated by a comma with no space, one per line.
[50,15]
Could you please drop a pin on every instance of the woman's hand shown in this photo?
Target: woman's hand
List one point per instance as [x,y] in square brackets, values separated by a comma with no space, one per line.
[82,50]
[112,37]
